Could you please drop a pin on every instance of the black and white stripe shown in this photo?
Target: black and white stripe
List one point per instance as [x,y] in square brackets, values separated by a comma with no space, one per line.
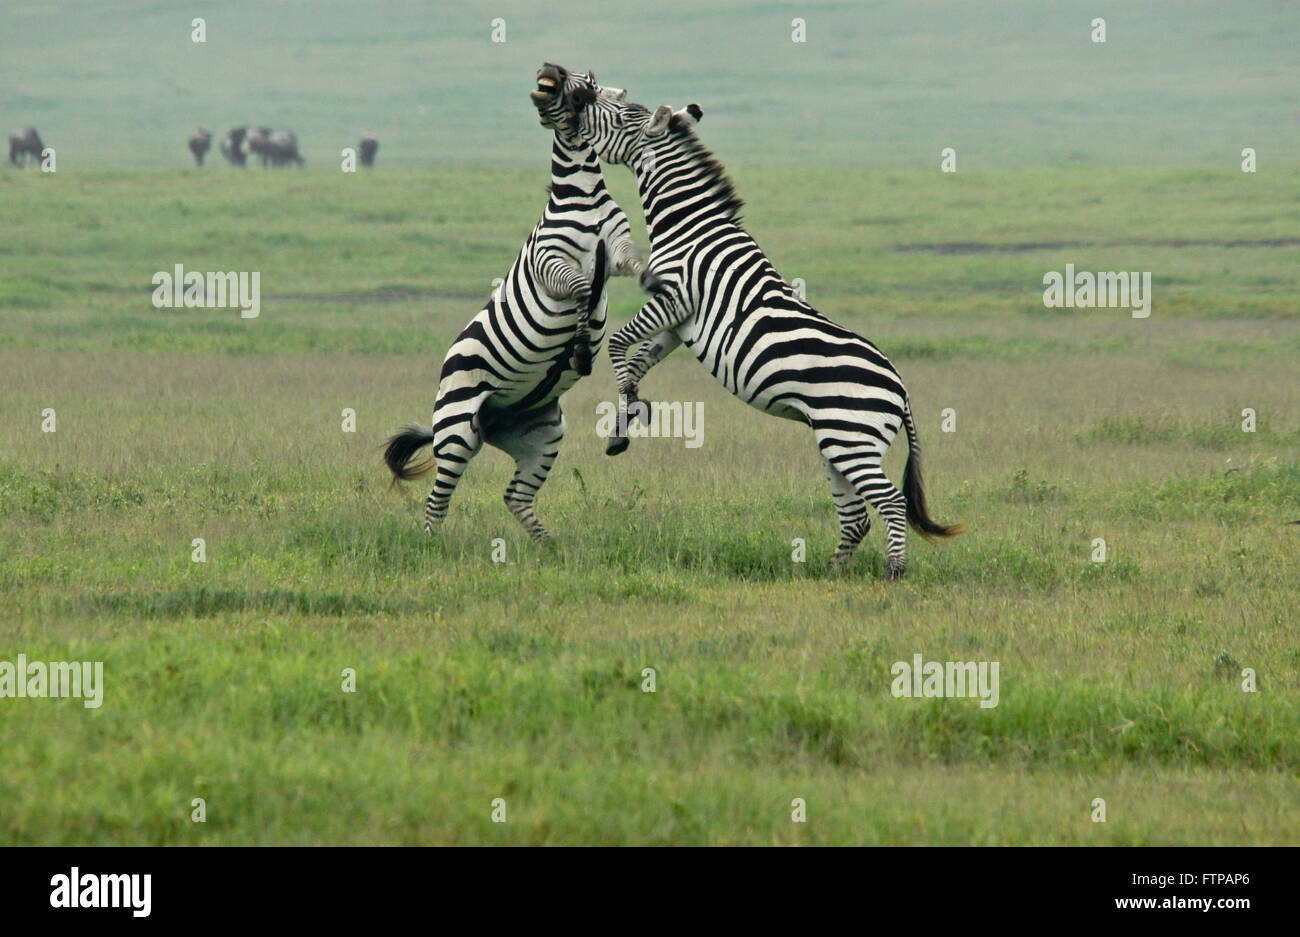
[727,303]
[503,376]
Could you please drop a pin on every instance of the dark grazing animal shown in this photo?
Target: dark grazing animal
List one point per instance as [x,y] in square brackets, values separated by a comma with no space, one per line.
[232,145]
[282,149]
[200,144]
[25,143]
[259,142]
[368,147]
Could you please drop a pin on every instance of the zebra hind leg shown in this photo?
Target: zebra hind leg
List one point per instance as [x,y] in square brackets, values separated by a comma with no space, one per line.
[533,441]
[876,487]
[451,466]
[457,440]
[860,464]
[855,522]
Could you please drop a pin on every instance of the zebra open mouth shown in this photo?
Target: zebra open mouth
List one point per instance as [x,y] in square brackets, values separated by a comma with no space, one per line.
[549,81]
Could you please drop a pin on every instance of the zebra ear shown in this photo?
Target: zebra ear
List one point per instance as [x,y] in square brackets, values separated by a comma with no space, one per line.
[690,114]
[659,122]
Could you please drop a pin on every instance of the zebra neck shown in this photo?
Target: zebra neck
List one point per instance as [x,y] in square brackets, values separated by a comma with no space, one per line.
[571,162]
[683,188]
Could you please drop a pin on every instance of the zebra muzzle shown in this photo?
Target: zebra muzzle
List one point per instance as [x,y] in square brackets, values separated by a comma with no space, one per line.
[549,79]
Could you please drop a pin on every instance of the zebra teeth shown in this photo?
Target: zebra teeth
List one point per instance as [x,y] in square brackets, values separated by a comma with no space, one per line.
[546,84]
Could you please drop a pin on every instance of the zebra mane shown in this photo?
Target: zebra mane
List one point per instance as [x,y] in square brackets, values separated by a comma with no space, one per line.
[724,190]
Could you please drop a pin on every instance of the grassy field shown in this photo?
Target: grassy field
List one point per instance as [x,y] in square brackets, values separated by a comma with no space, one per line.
[477,680]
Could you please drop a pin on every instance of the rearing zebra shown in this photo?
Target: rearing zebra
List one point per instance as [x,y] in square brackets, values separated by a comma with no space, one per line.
[503,376]
[724,299]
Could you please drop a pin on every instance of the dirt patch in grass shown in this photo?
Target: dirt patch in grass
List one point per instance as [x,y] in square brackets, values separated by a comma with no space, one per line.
[984,247]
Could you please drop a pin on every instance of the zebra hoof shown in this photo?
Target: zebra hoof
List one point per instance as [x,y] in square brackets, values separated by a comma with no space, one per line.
[582,359]
[894,570]
[616,444]
[652,283]
[638,411]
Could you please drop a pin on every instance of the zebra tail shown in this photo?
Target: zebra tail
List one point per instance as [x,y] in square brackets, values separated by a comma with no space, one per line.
[402,446]
[918,514]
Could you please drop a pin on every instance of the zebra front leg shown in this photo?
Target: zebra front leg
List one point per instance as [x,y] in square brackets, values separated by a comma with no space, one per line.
[562,279]
[582,353]
[628,263]
[658,315]
[647,356]
[533,441]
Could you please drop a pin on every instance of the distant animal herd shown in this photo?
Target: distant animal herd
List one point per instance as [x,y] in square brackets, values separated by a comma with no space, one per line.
[272,147]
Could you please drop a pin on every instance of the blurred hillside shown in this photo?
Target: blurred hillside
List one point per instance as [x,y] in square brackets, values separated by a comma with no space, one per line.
[1017,83]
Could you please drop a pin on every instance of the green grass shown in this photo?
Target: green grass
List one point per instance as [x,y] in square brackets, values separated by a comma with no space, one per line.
[522,680]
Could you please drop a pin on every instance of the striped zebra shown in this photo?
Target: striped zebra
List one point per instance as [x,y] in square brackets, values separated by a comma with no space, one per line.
[723,298]
[502,378]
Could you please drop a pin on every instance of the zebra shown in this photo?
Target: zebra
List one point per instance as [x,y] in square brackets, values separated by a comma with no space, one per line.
[503,376]
[723,298]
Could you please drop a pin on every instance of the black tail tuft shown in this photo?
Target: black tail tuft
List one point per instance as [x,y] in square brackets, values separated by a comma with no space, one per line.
[918,513]
[401,447]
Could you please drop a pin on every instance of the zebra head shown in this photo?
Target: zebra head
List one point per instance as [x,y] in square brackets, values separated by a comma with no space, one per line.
[551,97]
[622,131]
[557,90]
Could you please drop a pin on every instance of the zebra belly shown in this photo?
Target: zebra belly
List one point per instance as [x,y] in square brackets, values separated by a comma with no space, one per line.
[845,380]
